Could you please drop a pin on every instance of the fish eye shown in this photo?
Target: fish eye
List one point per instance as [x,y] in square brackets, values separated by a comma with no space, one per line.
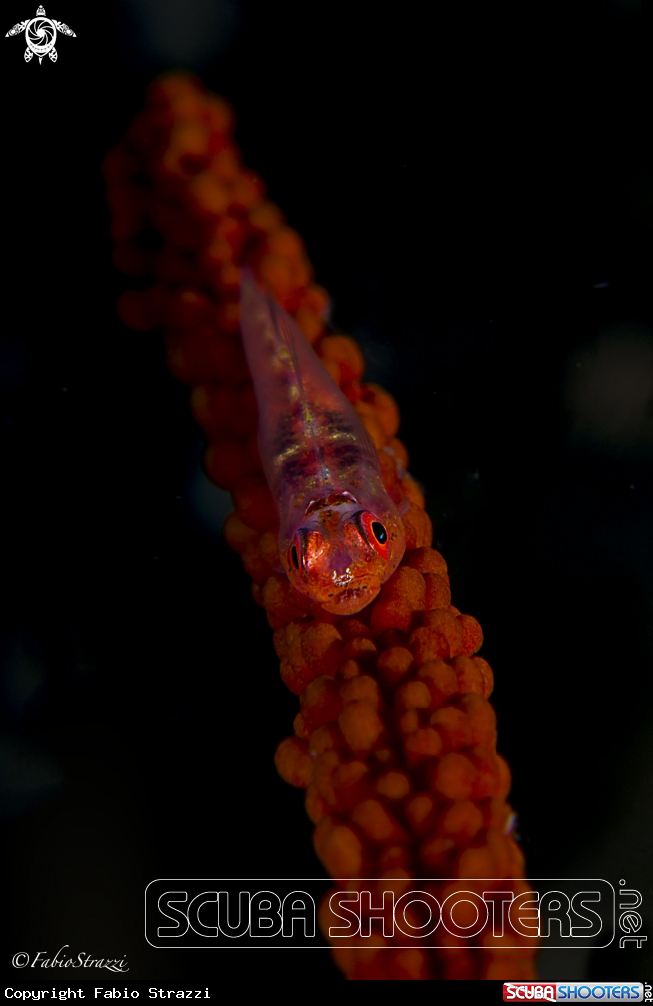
[305,549]
[374,532]
[379,532]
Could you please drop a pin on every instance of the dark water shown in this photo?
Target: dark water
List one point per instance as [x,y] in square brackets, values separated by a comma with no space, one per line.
[475,187]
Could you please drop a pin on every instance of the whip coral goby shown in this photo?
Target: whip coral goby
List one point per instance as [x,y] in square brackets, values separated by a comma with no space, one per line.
[340,536]
[395,739]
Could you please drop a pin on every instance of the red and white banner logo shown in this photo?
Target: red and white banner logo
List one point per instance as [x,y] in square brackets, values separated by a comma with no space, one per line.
[573,991]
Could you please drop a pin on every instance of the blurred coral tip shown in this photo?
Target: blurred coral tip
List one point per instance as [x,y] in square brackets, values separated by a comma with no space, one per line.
[395,740]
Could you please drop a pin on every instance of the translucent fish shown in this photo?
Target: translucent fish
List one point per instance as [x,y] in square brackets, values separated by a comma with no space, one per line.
[340,534]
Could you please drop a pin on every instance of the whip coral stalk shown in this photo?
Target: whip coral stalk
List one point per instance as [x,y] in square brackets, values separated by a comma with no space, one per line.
[395,740]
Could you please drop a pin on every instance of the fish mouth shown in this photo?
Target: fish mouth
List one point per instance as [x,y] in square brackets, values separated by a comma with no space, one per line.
[352,599]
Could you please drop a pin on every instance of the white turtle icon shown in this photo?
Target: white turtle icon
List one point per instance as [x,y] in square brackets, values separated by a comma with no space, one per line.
[40,35]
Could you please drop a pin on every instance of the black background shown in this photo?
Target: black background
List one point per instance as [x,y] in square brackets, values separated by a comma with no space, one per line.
[475,187]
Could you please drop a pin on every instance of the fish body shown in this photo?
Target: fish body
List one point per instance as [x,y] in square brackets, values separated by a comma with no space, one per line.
[340,534]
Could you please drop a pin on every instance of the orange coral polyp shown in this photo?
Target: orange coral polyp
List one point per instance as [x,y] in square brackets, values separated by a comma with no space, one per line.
[395,740]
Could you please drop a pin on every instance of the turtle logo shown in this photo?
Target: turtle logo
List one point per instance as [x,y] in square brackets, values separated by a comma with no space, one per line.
[40,35]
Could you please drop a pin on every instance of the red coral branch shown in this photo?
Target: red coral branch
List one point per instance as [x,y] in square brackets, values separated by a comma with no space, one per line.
[395,740]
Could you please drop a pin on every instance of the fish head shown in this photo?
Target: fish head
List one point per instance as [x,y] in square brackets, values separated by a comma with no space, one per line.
[341,556]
